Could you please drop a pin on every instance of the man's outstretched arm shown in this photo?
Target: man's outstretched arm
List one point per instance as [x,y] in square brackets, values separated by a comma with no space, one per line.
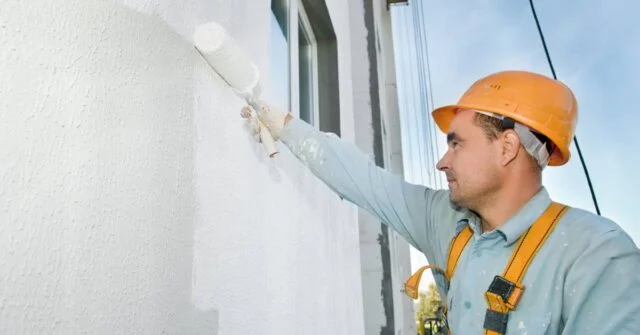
[421,215]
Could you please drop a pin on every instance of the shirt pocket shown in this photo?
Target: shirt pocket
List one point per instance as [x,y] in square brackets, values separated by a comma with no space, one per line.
[529,322]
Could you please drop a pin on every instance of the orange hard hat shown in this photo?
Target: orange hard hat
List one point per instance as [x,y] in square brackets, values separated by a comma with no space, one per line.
[543,104]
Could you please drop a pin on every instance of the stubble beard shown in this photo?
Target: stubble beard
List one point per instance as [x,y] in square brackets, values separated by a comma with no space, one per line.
[473,200]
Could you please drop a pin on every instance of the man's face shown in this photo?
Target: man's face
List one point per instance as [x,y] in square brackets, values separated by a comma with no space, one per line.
[471,163]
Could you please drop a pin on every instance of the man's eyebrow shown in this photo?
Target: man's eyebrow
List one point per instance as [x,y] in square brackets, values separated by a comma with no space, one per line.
[452,137]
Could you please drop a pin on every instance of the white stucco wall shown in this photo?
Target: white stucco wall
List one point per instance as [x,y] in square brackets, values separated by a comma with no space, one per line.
[132,200]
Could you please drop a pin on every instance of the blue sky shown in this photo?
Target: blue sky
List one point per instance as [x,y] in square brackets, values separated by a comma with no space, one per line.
[594,46]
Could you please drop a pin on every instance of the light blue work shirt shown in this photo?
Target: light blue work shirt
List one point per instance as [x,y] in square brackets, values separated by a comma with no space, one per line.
[584,280]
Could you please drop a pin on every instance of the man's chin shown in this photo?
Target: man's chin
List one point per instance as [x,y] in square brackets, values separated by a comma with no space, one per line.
[456,200]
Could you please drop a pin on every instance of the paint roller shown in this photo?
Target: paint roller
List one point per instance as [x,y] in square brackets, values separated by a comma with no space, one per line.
[229,61]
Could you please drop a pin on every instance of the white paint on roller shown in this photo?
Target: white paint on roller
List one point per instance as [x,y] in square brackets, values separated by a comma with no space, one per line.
[209,37]
[227,58]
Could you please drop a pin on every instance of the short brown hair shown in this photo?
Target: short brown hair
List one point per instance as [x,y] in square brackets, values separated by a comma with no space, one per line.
[492,126]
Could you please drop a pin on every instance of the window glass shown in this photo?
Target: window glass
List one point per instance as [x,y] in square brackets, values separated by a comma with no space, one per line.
[306,73]
[278,88]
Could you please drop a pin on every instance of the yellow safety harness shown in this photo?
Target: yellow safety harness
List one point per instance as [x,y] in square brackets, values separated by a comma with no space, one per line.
[505,291]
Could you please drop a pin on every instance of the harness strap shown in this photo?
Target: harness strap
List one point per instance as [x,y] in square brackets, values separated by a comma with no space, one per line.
[412,284]
[457,245]
[455,249]
[505,291]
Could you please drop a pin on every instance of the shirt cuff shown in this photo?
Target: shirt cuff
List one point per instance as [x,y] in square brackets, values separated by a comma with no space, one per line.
[295,130]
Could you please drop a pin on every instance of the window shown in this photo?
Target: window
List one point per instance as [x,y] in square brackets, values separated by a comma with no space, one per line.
[308,70]
[278,89]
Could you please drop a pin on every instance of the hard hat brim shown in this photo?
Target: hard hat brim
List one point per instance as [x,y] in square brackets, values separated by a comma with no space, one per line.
[443,116]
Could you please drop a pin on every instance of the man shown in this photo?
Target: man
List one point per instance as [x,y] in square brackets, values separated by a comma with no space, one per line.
[504,131]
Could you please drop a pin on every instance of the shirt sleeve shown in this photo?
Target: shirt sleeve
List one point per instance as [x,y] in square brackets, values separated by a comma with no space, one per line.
[423,216]
[602,288]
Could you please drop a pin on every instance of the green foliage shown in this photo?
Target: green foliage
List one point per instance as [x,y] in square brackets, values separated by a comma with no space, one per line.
[428,303]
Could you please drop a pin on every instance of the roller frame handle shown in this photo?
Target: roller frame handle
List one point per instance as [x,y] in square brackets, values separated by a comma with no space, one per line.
[265,135]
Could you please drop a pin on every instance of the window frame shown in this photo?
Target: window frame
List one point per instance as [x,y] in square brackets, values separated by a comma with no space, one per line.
[304,25]
[312,19]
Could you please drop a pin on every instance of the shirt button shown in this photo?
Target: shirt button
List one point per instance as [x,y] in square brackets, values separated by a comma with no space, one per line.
[467,305]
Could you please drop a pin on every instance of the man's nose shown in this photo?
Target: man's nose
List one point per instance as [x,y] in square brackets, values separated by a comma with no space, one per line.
[443,163]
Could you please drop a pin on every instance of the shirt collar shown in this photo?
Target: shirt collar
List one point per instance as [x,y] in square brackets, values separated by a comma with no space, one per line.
[525,217]
[517,224]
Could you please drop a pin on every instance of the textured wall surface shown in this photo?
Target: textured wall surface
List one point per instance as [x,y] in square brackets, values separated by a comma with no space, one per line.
[132,200]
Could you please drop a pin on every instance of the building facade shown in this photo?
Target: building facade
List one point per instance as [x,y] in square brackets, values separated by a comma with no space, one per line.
[133,201]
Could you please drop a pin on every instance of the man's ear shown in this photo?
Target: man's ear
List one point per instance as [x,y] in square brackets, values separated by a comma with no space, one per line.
[510,146]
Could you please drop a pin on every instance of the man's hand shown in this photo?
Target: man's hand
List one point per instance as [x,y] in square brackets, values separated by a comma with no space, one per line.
[272,118]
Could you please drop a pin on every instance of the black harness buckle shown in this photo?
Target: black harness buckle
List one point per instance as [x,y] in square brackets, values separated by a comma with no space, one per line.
[502,287]
[496,321]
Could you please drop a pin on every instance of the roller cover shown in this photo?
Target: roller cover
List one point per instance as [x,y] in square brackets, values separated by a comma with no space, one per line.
[227,58]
